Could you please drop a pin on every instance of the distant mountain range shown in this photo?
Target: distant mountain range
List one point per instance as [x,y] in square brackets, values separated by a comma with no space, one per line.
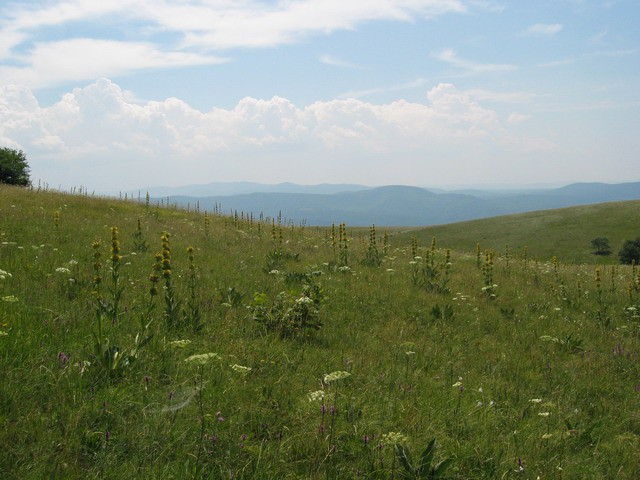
[386,206]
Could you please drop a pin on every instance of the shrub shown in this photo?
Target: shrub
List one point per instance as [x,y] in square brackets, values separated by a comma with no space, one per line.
[600,246]
[630,252]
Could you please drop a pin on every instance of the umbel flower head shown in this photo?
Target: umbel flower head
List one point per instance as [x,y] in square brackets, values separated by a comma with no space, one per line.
[202,359]
[393,438]
[335,376]
[241,369]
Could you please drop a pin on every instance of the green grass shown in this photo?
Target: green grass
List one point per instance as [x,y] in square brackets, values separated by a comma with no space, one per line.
[468,373]
[565,233]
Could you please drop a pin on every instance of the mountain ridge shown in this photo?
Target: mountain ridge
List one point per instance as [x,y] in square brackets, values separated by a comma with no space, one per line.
[400,205]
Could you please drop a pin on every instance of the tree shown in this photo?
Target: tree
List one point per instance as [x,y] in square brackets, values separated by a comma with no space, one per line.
[14,169]
[601,246]
[630,251]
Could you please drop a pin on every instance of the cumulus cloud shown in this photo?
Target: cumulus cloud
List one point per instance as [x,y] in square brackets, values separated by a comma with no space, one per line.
[515,118]
[98,122]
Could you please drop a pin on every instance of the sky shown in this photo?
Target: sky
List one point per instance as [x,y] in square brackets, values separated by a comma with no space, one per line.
[124,94]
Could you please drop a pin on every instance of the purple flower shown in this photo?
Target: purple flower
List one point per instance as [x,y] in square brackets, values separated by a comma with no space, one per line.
[63,359]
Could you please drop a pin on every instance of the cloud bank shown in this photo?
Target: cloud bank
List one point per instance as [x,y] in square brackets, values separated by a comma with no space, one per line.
[96,132]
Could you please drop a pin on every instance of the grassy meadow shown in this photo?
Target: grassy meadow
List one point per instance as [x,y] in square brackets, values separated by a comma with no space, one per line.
[565,233]
[189,345]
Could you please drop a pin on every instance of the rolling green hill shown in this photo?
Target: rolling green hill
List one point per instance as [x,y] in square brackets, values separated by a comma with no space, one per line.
[565,233]
[145,342]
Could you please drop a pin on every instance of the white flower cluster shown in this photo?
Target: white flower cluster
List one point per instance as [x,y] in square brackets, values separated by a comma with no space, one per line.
[240,369]
[335,376]
[64,270]
[203,358]
[393,438]
[4,275]
[316,396]
[304,300]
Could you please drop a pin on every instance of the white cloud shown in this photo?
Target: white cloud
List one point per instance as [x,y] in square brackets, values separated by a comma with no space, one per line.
[557,63]
[449,56]
[83,59]
[515,118]
[97,133]
[544,29]
[196,29]
[337,62]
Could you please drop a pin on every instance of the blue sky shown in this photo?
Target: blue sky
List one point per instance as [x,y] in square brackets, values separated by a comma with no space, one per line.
[126,94]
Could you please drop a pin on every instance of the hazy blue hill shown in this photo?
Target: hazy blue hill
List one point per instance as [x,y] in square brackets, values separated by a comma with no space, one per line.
[391,205]
[602,191]
[242,188]
[398,205]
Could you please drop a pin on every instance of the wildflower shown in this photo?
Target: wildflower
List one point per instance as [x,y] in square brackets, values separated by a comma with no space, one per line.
[393,438]
[335,376]
[409,353]
[544,414]
[547,436]
[10,299]
[240,368]
[4,275]
[63,358]
[274,272]
[304,300]
[203,358]
[180,343]
[316,396]
[536,400]
[64,270]
[457,384]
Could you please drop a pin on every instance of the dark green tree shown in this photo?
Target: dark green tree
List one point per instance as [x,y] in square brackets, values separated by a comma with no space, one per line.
[14,169]
[600,246]
[630,251]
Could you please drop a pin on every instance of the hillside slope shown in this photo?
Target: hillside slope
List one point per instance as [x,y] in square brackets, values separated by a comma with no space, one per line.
[251,351]
[565,233]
